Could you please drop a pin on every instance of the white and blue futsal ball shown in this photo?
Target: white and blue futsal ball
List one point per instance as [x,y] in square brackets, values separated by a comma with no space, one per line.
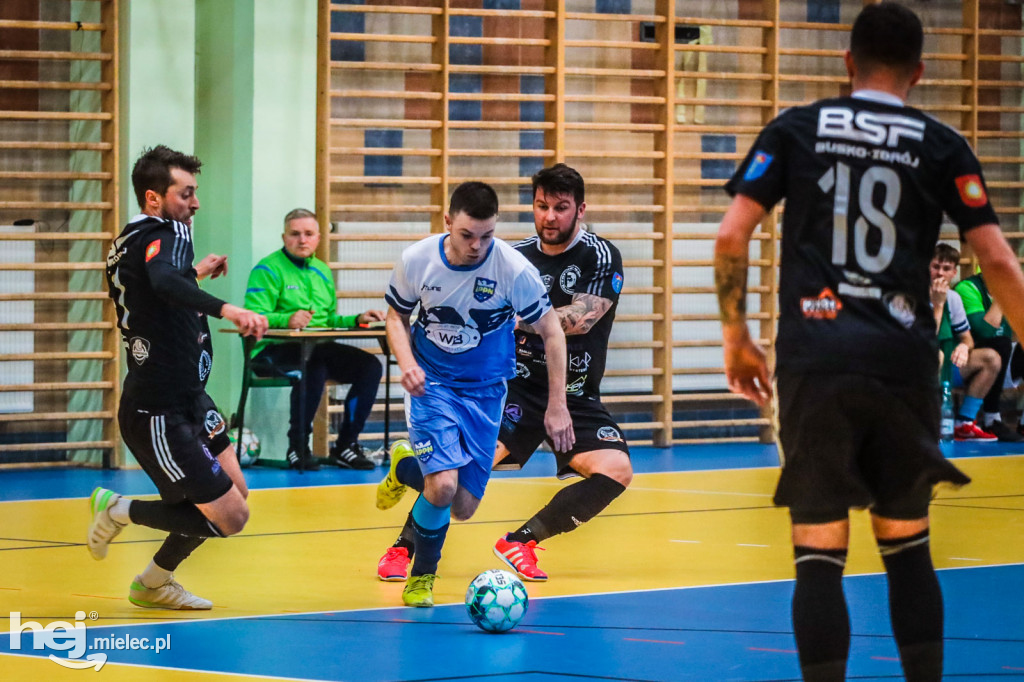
[248,449]
[496,601]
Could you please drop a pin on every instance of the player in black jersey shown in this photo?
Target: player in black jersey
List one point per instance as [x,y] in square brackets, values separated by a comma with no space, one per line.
[866,180]
[583,273]
[166,418]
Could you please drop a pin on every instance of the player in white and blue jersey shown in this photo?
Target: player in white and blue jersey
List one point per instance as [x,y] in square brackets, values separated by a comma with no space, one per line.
[455,359]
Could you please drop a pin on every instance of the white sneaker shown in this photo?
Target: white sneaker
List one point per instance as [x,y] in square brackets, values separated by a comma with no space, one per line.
[170,595]
[103,529]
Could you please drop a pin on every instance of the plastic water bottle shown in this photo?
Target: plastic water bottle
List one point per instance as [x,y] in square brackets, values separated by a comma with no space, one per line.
[946,430]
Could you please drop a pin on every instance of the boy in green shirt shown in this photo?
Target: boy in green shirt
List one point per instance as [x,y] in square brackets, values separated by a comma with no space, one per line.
[295,289]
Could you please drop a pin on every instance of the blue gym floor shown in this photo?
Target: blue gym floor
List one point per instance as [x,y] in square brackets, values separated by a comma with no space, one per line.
[685,577]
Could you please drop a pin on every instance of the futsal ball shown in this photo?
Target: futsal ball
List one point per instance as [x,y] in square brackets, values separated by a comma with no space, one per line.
[496,601]
[248,450]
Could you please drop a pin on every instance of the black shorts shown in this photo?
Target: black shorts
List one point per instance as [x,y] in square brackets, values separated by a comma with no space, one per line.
[522,428]
[854,441]
[178,448]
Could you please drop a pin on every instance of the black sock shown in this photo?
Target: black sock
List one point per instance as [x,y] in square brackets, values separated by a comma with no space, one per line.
[183,518]
[915,605]
[570,508]
[175,549]
[821,623]
[409,473]
[406,538]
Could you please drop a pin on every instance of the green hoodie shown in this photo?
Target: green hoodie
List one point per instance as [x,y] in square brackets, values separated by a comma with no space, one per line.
[281,285]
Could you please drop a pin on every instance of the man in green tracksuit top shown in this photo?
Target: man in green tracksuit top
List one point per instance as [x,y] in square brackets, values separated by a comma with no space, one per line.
[990,330]
[295,289]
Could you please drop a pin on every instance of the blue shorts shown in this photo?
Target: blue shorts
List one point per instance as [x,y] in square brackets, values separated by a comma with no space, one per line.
[456,428]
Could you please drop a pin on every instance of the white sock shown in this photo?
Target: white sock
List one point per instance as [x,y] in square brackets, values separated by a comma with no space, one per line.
[119,510]
[154,576]
[990,417]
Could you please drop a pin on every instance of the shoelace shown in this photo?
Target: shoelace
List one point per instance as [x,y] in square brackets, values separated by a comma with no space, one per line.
[529,552]
[394,553]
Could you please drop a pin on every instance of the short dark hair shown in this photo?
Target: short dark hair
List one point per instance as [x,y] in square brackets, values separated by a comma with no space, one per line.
[297,213]
[476,199]
[153,170]
[560,179]
[887,35]
[944,253]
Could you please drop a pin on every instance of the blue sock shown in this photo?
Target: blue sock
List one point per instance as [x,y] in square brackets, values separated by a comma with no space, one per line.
[408,472]
[969,408]
[430,527]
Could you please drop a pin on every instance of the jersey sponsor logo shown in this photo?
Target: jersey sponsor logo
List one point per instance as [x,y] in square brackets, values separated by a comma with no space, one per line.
[972,191]
[609,434]
[202,337]
[447,330]
[152,250]
[617,282]
[292,286]
[902,307]
[758,165]
[567,280]
[205,363]
[522,370]
[513,413]
[547,281]
[484,288]
[824,306]
[424,450]
[579,363]
[214,464]
[576,387]
[868,127]
[140,349]
[213,423]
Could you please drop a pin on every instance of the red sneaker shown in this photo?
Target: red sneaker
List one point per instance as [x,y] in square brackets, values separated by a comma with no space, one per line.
[521,558]
[393,567]
[969,431]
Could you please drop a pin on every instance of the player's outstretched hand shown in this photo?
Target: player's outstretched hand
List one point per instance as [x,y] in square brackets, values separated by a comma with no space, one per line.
[246,322]
[558,425]
[746,370]
[414,381]
[212,266]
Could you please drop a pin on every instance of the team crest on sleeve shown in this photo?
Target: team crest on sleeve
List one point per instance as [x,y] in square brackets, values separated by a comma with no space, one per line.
[205,364]
[972,192]
[152,250]
[484,288]
[547,280]
[617,282]
[758,165]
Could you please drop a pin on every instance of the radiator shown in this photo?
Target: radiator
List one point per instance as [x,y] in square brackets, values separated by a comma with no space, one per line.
[19,372]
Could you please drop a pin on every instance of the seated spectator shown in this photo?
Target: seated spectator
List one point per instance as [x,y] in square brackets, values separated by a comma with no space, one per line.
[989,329]
[977,368]
[295,289]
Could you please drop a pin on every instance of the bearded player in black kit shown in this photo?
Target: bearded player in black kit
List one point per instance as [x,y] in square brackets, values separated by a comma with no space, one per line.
[167,420]
[583,273]
[866,180]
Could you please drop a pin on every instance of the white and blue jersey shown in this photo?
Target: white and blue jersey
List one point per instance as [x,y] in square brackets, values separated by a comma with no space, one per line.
[463,334]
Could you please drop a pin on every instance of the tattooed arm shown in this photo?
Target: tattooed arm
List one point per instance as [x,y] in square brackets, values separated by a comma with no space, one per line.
[745,366]
[580,316]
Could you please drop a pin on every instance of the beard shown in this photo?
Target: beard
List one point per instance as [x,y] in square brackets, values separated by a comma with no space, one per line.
[562,237]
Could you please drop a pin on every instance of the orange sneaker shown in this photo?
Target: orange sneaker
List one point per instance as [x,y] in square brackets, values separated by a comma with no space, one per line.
[969,431]
[393,567]
[521,558]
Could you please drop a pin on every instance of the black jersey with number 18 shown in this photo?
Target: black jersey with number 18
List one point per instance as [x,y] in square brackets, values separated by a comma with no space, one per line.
[866,181]
[161,312]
